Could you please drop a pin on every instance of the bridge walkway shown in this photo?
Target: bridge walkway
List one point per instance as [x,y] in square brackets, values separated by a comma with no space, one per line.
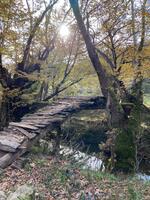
[19,137]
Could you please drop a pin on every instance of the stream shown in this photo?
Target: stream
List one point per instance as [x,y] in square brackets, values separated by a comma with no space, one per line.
[87,161]
[92,162]
[88,129]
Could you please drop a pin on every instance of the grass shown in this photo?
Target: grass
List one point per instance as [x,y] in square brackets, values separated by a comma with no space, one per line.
[133,193]
[98,176]
[2,174]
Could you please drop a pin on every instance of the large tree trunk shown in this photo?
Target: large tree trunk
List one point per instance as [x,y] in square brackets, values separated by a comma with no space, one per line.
[4,102]
[123,108]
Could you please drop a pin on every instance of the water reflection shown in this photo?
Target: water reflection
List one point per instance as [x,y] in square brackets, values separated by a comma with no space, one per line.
[87,161]
[143,177]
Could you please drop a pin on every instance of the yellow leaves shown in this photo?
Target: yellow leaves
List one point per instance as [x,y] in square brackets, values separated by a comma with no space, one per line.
[13,92]
[10,34]
[2,50]
[127,71]
[147,14]
[5,51]
[107,68]
[6,9]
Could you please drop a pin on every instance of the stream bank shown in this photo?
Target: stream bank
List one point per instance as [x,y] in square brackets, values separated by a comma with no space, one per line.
[64,179]
[88,130]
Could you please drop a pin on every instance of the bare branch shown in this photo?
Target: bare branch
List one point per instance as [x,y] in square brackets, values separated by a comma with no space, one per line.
[33,31]
[56,92]
[106,58]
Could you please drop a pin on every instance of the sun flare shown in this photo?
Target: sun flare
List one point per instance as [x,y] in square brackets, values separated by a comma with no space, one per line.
[64,31]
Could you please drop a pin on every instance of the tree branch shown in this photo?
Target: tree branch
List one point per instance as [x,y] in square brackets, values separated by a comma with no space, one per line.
[141,45]
[33,31]
[102,75]
[106,58]
[56,92]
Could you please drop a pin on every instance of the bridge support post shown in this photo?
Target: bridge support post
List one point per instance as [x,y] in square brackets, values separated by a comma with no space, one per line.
[57,139]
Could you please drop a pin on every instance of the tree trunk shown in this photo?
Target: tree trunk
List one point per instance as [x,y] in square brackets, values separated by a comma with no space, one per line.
[4,82]
[123,108]
[4,111]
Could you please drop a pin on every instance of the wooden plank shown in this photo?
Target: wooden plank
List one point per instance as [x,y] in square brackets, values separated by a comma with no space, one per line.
[59,115]
[52,110]
[13,134]
[57,120]
[8,144]
[2,153]
[39,125]
[26,133]
[23,125]
[47,118]
[46,113]
[35,117]
[6,160]
[42,121]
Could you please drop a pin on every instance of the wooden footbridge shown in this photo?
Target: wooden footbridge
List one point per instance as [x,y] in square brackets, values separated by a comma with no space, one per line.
[18,137]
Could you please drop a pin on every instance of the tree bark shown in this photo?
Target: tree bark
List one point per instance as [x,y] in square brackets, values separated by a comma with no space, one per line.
[122,107]
[4,110]
[4,102]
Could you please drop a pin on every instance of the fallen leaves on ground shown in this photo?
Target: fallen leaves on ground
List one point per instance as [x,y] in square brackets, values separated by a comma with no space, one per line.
[57,179]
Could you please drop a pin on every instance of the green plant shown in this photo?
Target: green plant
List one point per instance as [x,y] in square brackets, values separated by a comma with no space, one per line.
[28,167]
[134,194]
[93,175]
[36,149]
[1,173]
[82,197]
[48,179]
[40,197]
[40,162]
[62,176]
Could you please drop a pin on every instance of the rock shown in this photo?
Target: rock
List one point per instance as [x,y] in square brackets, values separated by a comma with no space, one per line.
[2,195]
[89,196]
[23,192]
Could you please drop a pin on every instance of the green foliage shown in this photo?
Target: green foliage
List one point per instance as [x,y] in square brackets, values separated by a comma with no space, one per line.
[30,95]
[125,144]
[55,174]
[62,176]
[98,176]
[1,174]
[147,100]
[26,198]
[28,167]
[48,179]
[36,149]
[84,87]
[82,197]
[125,151]
[40,162]
[134,194]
